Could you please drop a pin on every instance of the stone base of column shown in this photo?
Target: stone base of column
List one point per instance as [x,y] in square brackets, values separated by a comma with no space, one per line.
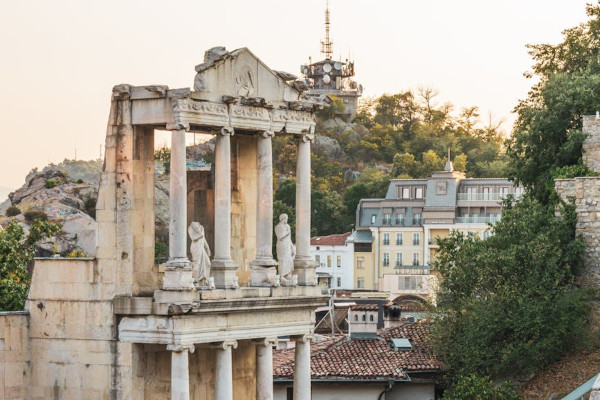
[262,273]
[224,272]
[178,275]
[306,271]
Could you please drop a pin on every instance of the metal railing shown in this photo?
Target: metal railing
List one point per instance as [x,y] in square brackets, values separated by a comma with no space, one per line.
[493,196]
[411,269]
[476,220]
[581,391]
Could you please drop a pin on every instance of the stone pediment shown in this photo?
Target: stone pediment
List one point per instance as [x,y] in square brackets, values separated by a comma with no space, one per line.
[240,73]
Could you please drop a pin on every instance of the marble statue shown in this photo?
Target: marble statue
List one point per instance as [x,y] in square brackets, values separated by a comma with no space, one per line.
[285,249]
[200,254]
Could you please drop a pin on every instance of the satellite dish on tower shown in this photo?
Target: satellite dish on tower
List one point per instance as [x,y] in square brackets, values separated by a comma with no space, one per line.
[327,67]
[326,78]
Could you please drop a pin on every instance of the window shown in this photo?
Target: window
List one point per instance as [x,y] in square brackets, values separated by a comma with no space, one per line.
[339,282]
[386,259]
[416,239]
[339,261]
[419,193]
[371,318]
[360,262]
[503,191]
[519,191]
[387,218]
[364,318]
[405,193]
[386,239]
[356,317]
[417,219]
[486,193]
[399,219]
[318,259]
[373,218]
[415,258]
[398,260]
[410,282]
[328,261]
[360,283]
[398,239]
[471,193]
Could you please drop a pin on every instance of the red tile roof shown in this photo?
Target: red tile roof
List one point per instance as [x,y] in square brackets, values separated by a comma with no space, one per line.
[343,358]
[331,240]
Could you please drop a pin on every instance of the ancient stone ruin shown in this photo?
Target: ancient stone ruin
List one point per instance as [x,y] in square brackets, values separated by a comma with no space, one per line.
[118,326]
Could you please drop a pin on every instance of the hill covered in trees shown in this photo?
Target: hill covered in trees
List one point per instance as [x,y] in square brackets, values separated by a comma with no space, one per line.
[403,135]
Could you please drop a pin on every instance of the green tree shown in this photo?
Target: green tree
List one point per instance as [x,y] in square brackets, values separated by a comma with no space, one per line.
[17,250]
[509,302]
[475,387]
[547,134]
[164,154]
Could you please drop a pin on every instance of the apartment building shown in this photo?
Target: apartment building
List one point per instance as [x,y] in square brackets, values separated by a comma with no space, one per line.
[399,233]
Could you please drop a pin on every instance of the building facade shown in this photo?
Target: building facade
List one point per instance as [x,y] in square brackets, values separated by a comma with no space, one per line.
[398,234]
[334,257]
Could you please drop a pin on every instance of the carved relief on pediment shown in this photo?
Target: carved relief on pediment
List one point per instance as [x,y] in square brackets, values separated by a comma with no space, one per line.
[245,81]
[200,106]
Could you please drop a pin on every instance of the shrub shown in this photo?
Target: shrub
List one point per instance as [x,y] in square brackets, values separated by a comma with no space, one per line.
[50,183]
[79,181]
[474,387]
[12,211]
[76,254]
[34,215]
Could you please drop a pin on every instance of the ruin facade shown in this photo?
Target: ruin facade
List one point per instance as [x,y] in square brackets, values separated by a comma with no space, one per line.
[118,326]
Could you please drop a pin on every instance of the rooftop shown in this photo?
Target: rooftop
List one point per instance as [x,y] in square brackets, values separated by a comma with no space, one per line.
[339,358]
[331,240]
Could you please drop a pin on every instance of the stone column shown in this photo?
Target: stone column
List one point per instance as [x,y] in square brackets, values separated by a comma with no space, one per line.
[224,371]
[302,368]
[180,373]
[264,368]
[263,268]
[178,270]
[223,267]
[304,265]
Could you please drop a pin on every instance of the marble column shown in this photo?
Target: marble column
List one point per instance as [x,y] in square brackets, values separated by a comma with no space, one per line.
[224,371]
[180,373]
[302,368]
[304,265]
[223,268]
[263,269]
[264,368]
[178,270]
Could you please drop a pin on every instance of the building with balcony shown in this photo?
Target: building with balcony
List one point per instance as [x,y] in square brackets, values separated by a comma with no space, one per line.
[399,232]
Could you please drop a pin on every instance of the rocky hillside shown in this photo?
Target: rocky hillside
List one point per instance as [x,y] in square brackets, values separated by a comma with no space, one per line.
[55,194]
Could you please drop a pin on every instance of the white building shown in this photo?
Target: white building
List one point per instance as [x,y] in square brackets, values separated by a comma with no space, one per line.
[335,261]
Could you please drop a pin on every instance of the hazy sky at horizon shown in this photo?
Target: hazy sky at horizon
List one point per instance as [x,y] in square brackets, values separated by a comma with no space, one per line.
[60,59]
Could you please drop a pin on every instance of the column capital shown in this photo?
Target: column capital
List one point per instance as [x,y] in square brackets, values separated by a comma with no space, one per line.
[267,342]
[305,136]
[224,344]
[226,131]
[306,338]
[178,348]
[267,134]
[178,126]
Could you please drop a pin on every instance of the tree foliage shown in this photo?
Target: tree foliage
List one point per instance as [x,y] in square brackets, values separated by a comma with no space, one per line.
[475,387]
[17,250]
[547,134]
[509,301]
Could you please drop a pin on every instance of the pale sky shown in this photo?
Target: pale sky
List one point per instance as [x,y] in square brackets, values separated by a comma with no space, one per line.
[60,58]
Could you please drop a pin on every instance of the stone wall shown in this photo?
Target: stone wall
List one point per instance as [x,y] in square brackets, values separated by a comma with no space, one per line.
[586,193]
[15,354]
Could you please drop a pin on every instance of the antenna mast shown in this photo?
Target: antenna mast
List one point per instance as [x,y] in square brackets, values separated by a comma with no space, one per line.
[326,46]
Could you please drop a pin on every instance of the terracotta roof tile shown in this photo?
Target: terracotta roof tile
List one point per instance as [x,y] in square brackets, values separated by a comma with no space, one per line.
[331,240]
[341,358]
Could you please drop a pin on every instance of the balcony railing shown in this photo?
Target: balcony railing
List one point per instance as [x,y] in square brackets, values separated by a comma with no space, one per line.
[494,196]
[476,220]
[411,269]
